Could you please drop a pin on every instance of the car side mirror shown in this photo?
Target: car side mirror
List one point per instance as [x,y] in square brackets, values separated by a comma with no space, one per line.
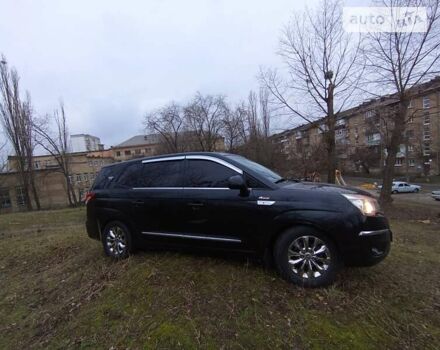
[237,182]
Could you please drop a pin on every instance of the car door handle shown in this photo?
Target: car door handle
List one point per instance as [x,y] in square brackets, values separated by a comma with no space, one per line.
[196,204]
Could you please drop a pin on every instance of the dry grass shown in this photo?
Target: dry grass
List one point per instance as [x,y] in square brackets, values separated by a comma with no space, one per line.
[59,291]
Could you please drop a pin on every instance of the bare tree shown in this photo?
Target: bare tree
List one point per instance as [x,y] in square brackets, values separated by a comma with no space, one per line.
[169,123]
[204,117]
[323,69]
[398,61]
[17,119]
[57,145]
[232,126]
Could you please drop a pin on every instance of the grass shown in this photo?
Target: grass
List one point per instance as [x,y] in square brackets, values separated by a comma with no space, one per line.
[58,290]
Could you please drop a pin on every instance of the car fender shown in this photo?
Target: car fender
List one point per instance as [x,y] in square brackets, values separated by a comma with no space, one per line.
[105,215]
[331,223]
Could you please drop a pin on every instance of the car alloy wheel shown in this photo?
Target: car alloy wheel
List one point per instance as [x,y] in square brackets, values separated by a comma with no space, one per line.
[116,241]
[308,257]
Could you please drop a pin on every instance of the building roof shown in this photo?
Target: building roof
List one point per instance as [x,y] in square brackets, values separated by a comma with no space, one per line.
[139,140]
[84,135]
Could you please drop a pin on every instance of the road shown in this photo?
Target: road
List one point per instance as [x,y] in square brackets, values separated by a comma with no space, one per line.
[423,197]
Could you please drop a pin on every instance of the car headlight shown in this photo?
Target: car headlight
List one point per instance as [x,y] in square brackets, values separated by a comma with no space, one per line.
[367,205]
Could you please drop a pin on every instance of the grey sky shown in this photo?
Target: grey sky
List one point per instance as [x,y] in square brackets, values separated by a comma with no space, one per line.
[111,61]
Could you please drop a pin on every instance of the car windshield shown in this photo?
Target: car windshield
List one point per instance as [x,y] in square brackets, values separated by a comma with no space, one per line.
[258,168]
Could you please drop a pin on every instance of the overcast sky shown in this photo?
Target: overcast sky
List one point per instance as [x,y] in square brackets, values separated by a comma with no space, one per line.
[111,61]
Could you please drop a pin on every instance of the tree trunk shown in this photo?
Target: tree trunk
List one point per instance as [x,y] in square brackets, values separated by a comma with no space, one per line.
[331,144]
[35,193]
[392,149]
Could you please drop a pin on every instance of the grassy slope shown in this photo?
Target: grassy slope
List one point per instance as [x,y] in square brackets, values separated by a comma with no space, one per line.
[59,291]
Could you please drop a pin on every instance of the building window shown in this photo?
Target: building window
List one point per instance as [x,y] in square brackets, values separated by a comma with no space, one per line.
[410,105]
[78,178]
[411,118]
[137,151]
[426,133]
[410,148]
[118,153]
[426,102]
[426,149]
[37,165]
[399,162]
[412,162]
[85,177]
[127,153]
[5,200]
[147,150]
[21,196]
[81,194]
[409,133]
[370,114]
[426,118]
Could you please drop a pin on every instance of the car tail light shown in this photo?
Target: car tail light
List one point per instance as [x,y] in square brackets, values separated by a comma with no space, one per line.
[89,196]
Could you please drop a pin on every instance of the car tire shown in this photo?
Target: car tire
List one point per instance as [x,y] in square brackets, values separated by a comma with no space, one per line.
[394,192]
[416,190]
[306,257]
[117,240]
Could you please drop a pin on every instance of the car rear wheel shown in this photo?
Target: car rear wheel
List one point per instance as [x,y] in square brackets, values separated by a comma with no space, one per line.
[394,192]
[117,240]
[416,190]
[306,257]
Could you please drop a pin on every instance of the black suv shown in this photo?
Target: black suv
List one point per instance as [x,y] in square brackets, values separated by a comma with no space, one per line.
[226,202]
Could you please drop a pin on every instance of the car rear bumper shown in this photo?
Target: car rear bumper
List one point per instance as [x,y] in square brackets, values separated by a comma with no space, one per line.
[93,230]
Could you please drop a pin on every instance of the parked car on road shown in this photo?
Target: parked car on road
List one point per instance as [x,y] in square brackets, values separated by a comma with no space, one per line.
[436,195]
[220,201]
[403,187]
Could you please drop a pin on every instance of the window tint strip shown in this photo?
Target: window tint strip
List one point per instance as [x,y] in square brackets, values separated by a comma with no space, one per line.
[216,160]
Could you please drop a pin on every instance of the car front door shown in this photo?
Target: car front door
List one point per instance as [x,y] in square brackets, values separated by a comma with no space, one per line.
[216,215]
[408,188]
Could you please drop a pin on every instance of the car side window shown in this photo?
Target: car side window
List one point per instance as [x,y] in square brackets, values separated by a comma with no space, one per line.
[129,177]
[400,185]
[206,173]
[162,174]
[107,175]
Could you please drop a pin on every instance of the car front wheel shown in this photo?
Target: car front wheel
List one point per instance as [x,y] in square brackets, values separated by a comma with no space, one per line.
[416,190]
[117,241]
[306,257]
[394,192]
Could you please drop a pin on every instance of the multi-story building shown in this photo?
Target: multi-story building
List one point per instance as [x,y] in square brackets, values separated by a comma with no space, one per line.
[85,143]
[50,182]
[149,145]
[136,147]
[360,134]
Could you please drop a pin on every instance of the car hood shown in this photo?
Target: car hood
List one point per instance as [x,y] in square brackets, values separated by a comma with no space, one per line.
[325,187]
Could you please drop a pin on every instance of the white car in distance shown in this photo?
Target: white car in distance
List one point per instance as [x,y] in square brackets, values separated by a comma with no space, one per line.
[403,187]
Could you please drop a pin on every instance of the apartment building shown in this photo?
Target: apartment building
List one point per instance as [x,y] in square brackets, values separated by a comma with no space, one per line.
[85,143]
[360,133]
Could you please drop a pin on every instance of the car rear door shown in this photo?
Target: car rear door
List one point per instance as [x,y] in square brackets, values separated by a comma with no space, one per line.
[157,199]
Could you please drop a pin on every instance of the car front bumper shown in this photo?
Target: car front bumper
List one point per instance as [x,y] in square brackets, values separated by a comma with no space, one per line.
[372,243]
